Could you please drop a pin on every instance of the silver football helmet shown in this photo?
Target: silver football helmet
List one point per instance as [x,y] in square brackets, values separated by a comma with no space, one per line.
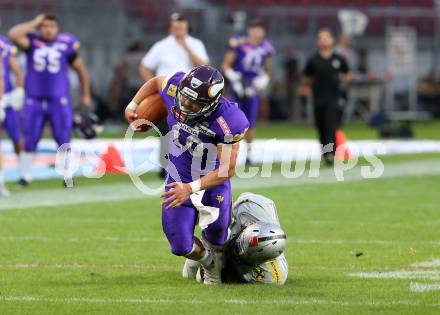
[260,242]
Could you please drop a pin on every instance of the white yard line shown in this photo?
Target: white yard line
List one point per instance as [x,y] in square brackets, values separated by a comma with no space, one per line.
[86,266]
[399,274]
[424,287]
[431,273]
[366,242]
[120,192]
[46,239]
[144,266]
[427,264]
[145,300]
[42,265]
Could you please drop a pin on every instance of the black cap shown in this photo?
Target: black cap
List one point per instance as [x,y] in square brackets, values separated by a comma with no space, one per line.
[177,17]
[256,23]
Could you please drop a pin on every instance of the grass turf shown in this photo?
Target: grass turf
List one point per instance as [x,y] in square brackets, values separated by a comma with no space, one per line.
[112,257]
[290,130]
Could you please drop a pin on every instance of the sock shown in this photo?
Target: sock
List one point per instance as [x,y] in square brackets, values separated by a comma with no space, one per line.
[206,260]
[25,160]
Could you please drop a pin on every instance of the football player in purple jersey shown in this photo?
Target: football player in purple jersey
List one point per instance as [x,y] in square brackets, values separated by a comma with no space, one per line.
[247,66]
[203,148]
[3,191]
[49,55]
[14,93]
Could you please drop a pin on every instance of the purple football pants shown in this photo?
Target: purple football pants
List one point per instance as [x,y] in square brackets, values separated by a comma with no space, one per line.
[37,111]
[178,223]
[12,124]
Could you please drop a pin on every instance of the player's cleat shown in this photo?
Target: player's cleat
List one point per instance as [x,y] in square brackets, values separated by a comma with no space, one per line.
[23,183]
[199,275]
[212,274]
[190,267]
[68,183]
[4,192]
[329,158]
[249,162]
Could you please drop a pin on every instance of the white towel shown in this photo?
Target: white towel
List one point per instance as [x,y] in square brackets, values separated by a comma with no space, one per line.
[207,214]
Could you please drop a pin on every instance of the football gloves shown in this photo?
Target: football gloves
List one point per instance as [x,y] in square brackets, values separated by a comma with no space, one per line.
[85,123]
[2,110]
[16,98]
[261,82]
[234,78]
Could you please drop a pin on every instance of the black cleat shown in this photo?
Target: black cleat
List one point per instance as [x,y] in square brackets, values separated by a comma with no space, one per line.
[329,159]
[23,183]
[68,183]
[249,162]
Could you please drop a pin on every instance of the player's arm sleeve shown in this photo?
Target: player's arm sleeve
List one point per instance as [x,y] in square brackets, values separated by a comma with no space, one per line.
[164,84]
[232,126]
[73,50]
[234,43]
[151,59]
[270,50]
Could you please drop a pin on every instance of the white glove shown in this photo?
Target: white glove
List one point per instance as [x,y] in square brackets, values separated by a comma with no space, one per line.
[261,82]
[2,110]
[235,78]
[16,98]
[250,91]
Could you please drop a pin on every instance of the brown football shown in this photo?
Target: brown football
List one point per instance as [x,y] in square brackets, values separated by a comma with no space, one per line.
[152,109]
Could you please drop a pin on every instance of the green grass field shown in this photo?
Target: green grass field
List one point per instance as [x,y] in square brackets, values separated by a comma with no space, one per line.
[290,130]
[355,247]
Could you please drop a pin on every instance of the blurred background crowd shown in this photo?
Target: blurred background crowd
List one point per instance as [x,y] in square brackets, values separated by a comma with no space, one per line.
[116,34]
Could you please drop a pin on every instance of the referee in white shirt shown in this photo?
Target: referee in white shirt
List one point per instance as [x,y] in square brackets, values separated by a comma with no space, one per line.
[176,52]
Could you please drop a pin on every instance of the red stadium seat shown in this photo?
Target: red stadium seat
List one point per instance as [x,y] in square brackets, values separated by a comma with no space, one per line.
[361,3]
[376,26]
[7,5]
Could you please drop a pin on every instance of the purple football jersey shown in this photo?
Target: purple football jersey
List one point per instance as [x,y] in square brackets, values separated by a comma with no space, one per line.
[193,145]
[250,59]
[48,66]
[7,49]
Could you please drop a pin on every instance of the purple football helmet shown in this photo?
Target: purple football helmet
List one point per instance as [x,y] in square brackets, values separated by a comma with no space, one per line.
[199,93]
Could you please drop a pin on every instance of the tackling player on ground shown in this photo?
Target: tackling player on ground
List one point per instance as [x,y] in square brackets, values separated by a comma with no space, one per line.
[205,131]
[49,55]
[255,248]
[247,66]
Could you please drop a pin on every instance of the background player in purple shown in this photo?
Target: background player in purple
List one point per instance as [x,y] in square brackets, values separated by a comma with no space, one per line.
[247,65]
[14,92]
[49,55]
[3,191]
[205,130]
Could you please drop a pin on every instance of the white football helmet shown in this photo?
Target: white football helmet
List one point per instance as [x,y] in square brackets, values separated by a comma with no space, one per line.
[260,242]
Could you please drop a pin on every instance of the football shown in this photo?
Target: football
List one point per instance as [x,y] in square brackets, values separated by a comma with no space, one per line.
[151,109]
